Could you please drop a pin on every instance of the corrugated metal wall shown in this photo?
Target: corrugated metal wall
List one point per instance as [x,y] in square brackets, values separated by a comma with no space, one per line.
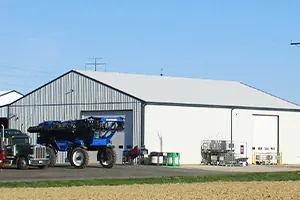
[3,111]
[57,101]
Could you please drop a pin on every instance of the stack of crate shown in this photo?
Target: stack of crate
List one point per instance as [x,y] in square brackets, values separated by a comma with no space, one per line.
[213,152]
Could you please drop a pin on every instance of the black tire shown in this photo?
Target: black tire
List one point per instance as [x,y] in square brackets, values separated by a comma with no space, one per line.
[69,156]
[108,158]
[52,156]
[22,163]
[83,156]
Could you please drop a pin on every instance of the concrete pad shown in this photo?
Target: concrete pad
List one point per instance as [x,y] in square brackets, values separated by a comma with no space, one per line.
[249,168]
[67,172]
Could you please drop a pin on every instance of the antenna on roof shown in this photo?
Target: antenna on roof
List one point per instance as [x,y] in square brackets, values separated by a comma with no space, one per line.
[161,71]
[96,63]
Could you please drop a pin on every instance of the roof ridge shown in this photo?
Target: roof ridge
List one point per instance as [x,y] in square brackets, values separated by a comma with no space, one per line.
[151,75]
[6,92]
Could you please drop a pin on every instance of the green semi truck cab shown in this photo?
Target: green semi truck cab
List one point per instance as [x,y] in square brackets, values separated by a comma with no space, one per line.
[18,150]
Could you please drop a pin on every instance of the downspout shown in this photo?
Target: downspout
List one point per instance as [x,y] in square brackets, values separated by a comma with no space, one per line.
[2,138]
[8,126]
[278,142]
[143,124]
[231,154]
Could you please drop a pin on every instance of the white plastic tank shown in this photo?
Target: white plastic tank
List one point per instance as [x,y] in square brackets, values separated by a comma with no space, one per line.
[161,159]
[154,159]
[176,160]
[170,159]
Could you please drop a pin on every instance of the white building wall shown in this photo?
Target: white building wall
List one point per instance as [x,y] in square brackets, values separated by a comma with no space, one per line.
[289,132]
[183,128]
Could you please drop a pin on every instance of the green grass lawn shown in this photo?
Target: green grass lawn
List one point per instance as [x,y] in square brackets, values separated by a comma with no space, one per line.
[270,176]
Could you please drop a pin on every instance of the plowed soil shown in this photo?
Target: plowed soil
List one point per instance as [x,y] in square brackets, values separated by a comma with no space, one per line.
[215,190]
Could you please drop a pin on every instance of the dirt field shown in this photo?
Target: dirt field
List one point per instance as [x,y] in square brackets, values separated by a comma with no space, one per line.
[216,190]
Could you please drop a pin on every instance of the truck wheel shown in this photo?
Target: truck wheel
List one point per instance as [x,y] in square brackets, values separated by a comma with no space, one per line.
[79,158]
[69,157]
[22,163]
[108,158]
[50,154]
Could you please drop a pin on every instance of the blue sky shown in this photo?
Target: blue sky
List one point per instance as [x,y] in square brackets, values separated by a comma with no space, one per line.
[247,41]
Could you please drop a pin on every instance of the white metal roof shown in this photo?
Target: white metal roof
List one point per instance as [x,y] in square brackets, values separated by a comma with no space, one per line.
[9,96]
[163,89]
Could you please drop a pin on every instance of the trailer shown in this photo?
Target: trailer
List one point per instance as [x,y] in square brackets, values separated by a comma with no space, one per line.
[76,137]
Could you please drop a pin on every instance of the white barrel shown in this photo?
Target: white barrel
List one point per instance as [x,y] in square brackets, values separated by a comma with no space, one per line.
[161,159]
[170,160]
[176,160]
[154,159]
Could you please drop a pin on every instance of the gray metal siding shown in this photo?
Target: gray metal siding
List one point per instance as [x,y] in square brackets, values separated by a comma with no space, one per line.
[3,111]
[54,102]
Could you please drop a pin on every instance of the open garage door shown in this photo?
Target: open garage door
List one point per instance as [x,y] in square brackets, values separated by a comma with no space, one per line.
[122,140]
[265,138]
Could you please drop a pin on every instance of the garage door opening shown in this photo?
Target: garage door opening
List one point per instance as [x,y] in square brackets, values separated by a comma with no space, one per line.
[265,146]
[122,140]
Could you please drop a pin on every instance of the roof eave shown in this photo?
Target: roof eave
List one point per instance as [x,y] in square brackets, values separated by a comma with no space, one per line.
[223,106]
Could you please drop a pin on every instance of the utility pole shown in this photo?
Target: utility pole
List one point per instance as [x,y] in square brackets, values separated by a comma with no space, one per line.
[95,63]
[295,43]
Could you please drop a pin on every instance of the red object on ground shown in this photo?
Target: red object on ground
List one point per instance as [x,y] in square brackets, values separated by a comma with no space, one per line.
[134,151]
[131,155]
[2,157]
